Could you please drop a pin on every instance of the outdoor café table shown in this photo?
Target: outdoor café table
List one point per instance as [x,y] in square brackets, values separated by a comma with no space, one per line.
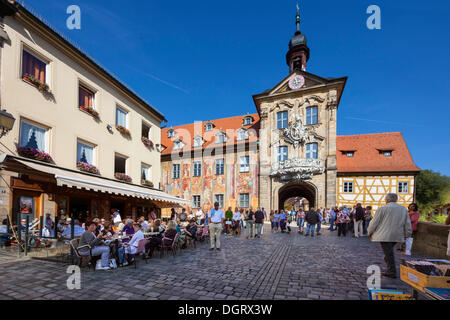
[149,234]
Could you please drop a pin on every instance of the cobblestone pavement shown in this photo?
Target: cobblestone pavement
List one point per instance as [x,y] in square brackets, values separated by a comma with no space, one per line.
[277,266]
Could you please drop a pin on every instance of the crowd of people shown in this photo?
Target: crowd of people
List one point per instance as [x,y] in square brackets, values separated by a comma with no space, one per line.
[97,236]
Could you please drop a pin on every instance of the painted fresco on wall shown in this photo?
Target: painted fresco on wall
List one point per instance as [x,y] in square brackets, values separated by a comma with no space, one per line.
[231,184]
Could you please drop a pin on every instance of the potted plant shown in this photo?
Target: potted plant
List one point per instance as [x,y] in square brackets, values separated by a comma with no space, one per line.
[42,86]
[91,111]
[123,130]
[35,154]
[147,142]
[147,183]
[86,167]
[122,176]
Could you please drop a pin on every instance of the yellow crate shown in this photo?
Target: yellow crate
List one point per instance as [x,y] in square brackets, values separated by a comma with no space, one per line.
[420,280]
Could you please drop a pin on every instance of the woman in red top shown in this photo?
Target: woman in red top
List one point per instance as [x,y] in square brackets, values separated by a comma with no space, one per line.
[414,215]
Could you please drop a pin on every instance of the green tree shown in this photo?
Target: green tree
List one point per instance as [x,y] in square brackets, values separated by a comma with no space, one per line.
[432,190]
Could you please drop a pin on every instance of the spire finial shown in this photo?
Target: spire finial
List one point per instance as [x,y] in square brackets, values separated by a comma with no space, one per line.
[297,19]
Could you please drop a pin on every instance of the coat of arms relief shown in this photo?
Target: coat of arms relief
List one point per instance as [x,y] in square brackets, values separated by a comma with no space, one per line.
[297,133]
[298,169]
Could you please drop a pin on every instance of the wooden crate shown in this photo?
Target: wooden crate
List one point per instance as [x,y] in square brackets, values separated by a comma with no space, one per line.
[420,280]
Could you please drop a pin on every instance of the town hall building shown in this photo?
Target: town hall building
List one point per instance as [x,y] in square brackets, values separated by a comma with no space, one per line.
[288,149]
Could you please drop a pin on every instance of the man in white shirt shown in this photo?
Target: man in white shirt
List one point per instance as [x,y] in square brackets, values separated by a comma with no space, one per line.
[237,221]
[200,216]
[117,219]
[215,217]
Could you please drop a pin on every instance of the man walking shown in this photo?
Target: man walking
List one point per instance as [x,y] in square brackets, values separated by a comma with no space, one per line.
[249,221]
[390,225]
[215,217]
[259,221]
[312,219]
[358,220]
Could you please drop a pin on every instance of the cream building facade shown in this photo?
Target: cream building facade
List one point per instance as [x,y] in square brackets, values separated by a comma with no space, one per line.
[69,107]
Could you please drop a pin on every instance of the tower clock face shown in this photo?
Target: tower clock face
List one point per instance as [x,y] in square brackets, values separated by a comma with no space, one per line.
[296,82]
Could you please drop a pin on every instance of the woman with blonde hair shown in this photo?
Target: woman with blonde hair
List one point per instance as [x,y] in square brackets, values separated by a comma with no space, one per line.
[166,239]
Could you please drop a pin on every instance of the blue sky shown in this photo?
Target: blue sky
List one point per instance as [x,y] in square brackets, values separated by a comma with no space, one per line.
[201,60]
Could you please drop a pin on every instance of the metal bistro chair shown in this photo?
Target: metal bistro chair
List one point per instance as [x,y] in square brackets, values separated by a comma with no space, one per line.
[74,245]
[140,251]
[171,247]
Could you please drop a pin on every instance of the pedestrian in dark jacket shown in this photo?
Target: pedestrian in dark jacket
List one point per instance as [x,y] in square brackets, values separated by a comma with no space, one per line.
[312,218]
[259,220]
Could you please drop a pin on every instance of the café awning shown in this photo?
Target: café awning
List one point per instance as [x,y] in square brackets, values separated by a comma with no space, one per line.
[74,179]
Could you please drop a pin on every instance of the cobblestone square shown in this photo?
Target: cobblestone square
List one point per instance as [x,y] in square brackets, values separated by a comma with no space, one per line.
[277,266]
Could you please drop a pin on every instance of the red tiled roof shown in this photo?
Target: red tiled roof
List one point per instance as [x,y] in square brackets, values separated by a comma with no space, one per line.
[367,156]
[187,132]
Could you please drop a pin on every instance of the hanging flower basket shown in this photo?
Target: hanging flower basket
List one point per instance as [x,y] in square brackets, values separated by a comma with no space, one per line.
[123,130]
[147,142]
[34,154]
[42,86]
[91,111]
[122,177]
[86,167]
[147,183]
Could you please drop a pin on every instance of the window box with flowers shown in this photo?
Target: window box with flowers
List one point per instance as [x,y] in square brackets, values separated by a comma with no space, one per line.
[122,176]
[86,167]
[147,142]
[42,86]
[147,183]
[34,154]
[123,130]
[91,111]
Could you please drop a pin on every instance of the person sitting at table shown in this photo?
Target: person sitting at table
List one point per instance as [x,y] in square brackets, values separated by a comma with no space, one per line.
[77,229]
[96,244]
[129,229]
[131,246]
[144,224]
[156,241]
[191,230]
[97,222]
[156,226]
[181,236]
[121,225]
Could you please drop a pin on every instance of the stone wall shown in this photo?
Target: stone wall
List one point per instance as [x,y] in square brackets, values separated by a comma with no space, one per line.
[431,240]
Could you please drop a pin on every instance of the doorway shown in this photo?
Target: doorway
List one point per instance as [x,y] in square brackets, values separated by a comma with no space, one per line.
[79,208]
[297,194]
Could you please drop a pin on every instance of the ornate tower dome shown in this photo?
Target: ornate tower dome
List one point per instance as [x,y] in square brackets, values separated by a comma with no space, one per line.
[298,53]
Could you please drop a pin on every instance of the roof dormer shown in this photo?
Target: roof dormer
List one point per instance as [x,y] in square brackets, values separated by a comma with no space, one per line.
[198,141]
[209,126]
[242,134]
[170,133]
[178,144]
[248,120]
[221,137]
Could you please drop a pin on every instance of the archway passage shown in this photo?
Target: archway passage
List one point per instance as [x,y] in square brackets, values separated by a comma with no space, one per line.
[298,191]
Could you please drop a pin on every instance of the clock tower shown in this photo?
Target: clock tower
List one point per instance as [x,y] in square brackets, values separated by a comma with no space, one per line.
[298,53]
[297,137]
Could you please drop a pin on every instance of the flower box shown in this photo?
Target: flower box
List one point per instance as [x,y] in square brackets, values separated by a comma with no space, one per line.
[123,130]
[91,111]
[36,82]
[86,167]
[147,142]
[122,177]
[34,154]
[147,183]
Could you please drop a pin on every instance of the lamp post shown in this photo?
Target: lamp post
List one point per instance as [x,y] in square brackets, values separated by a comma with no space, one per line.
[6,122]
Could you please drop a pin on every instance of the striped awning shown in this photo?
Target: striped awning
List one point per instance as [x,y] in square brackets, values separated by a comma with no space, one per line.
[73,179]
